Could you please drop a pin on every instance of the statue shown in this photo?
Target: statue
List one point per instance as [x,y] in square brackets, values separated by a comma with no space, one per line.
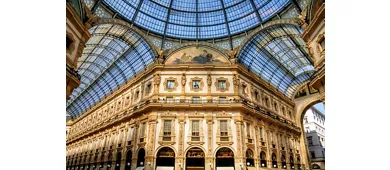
[302,19]
[160,57]
[209,80]
[157,79]
[235,80]
[183,79]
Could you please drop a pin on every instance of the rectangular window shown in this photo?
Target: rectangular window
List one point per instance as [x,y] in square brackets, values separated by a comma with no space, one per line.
[136,95]
[310,140]
[196,100]
[195,130]
[248,130]
[313,155]
[222,84]
[224,130]
[142,133]
[167,130]
[148,88]
[243,89]
[195,84]
[322,43]
[170,84]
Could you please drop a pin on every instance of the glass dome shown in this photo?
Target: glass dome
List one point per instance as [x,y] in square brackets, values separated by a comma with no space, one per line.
[197,19]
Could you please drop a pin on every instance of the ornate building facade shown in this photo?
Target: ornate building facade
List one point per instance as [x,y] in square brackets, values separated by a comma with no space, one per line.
[153,102]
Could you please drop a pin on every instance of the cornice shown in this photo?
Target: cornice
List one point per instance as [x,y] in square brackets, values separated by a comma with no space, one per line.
[318,18]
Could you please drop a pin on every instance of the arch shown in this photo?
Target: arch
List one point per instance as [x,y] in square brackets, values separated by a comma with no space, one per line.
[274,160]
[219,147]
[113,55]
[141,157]
[158,148]
[315,166]
[263,159]
[195,44]
[165,157]
[109,160]
[249,155]
[284,162]
[292,162]
[129,156]
[261,54]
[127,25]
[195,159]
[118,160]
[224,157]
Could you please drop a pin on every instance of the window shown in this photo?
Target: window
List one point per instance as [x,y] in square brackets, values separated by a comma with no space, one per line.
[306,120]
[222,99]
[322,44]
[68,42]
[142,132]
[221,84]
[307,129]
[256,96]
[167,130]
[136,95]
[243,89]
[310,140]
[195,99]
[224,130]
[313,155]
[248,130]
[148,88]
[195,84]
[170,84]
[195,130]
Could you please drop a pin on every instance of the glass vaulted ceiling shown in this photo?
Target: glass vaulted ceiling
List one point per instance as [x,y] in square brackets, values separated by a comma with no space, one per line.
[279,55]
[112,56]
[197,19]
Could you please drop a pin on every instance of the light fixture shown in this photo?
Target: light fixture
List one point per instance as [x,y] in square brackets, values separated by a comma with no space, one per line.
[248,163]
[128,163]
[262,164]
[141,163]
[292,167]
[108,165]
[240,164]
[179,164]
[274,165]
[210,164]
[284,166]
[117,164]
[149,163]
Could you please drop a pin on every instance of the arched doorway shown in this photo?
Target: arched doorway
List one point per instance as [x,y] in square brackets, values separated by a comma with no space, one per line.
[165,159]
[141,159]
[118,161]
[315,166]
[109,161]
[224,159]
[263,159]
[284,163]
[274,161]
[129,156]
[195,159]
[250,162]
[299,163]
[292,162]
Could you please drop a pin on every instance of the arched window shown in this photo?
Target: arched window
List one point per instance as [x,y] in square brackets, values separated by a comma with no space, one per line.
[129,156]
[118,161]
[224,158]
[249,158]
[263,159]
[165,157]
[141,157]
[315,166]
[284,164]
[195,159]
[274,161]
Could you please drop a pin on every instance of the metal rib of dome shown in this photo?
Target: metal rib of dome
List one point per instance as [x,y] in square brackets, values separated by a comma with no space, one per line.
[197,19]
[112,56]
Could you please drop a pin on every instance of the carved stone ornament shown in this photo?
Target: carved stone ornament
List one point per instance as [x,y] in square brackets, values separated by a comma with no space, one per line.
[183,79]
[157,79]
[208,80]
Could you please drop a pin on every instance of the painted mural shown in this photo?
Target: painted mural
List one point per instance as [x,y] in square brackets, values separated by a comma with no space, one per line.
[193,55]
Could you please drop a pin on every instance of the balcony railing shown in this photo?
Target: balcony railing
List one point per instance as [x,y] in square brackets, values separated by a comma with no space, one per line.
[141,105]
